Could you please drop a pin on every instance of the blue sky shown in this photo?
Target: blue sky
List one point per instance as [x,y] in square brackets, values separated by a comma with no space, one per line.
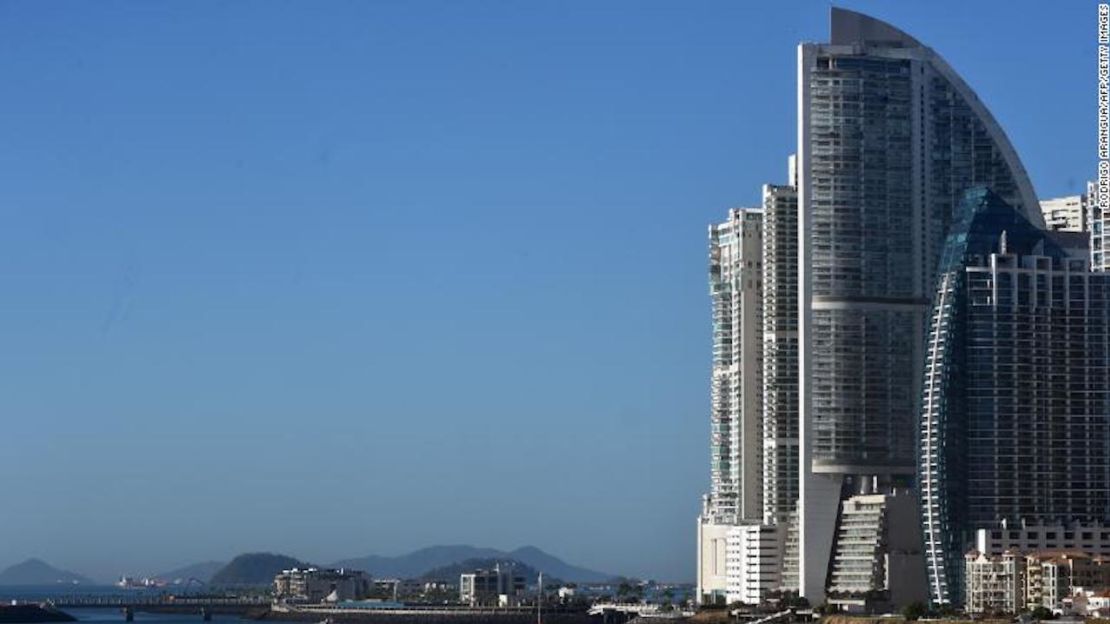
[343,278]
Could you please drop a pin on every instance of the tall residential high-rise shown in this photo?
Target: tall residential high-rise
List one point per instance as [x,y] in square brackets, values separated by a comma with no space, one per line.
[736,286]
[1015,416]
[780,351]
[735,496]
[889,137]
[754,288]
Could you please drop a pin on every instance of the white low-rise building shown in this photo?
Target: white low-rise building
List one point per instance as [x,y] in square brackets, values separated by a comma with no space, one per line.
[1011,582]
[1071,213]
[499,586]
[712,578]
[316,585]
[1093,603]
[994,583]
[753,560]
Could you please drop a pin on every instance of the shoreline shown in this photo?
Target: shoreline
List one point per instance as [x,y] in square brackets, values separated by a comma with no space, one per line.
[32,614]
[419,615]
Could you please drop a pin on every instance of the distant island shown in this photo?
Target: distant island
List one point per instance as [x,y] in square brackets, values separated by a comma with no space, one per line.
[38,572]
[259,568]
[419,562]
[254,569]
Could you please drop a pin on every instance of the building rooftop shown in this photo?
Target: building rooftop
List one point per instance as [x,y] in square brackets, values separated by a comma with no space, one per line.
[848,27]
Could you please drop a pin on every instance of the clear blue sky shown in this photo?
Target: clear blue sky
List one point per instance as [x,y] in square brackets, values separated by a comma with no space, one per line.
[358,277]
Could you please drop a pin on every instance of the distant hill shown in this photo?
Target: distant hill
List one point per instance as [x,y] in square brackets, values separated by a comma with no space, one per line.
[38,572]
[203,571]
[254,569]
[453,570]
[553,566]
[417,563]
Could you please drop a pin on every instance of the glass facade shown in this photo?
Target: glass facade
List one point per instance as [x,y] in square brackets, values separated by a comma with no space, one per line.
[1015,412]
[780,353]
[890,137]
[892,145]
[861,237]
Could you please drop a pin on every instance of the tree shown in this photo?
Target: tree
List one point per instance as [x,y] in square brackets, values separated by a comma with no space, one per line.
[795,601]
[623,589]
[915,610]
[627,592]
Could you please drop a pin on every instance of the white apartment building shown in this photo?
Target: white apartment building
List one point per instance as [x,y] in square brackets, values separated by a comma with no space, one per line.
[753,562]
[1068,214]
[1053,578]
[712,577]
[736,490]
[994,583]
[1082,213]
[1092,603]
[1013,582]
[499,586]
[736,288]
[316,585]
[750,510]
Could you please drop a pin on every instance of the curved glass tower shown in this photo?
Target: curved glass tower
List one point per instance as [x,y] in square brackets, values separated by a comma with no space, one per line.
[1015,414]
[889,138]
